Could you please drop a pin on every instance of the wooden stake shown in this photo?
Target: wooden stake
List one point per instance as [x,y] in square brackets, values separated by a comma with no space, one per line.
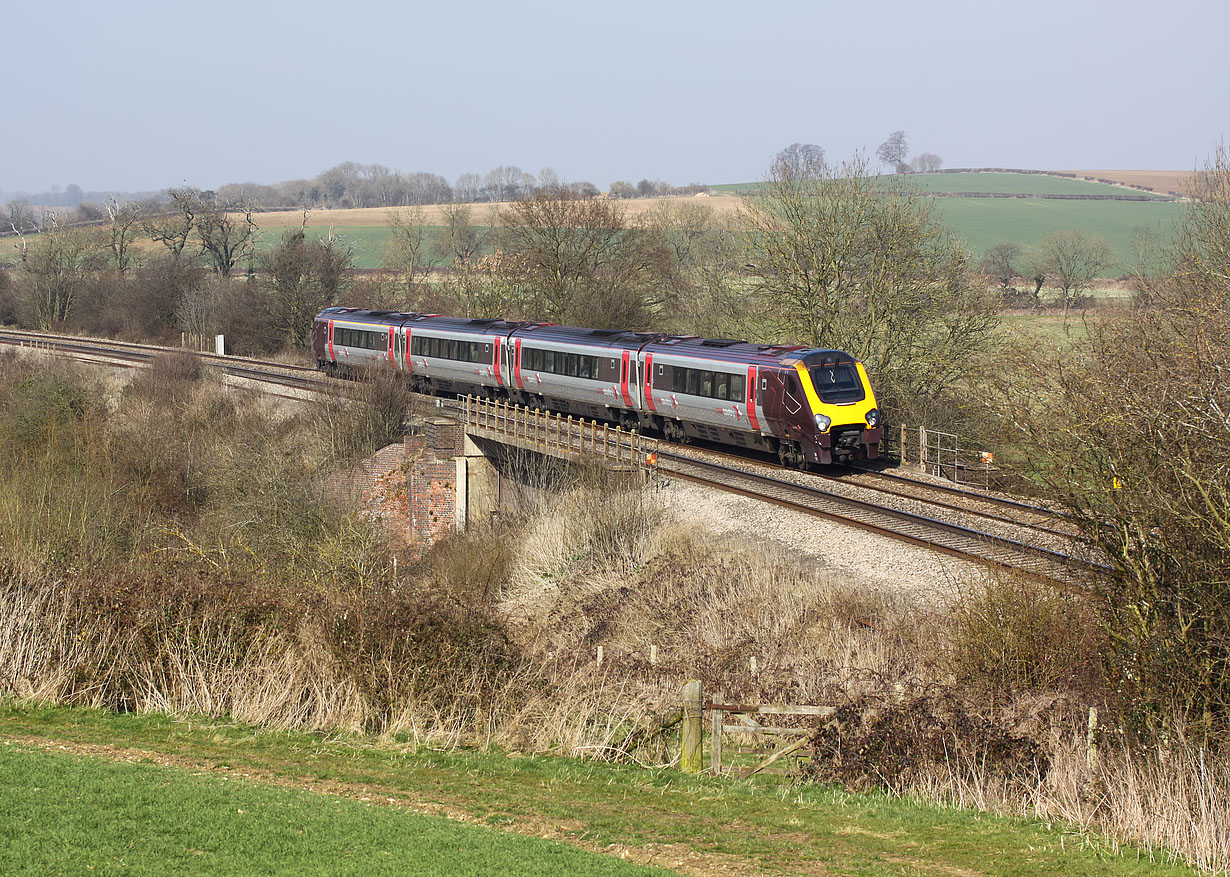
[691,754]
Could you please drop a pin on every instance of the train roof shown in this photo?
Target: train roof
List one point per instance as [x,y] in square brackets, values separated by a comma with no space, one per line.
[718,349]
[410,318]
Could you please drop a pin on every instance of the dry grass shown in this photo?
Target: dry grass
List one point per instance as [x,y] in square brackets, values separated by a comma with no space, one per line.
[483,214]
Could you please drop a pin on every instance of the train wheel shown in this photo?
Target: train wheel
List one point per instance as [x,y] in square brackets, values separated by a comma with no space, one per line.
[791,455]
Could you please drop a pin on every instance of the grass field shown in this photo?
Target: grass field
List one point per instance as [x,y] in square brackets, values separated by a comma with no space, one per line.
[1029,184]
[90,788]
[984,222]
[68,814]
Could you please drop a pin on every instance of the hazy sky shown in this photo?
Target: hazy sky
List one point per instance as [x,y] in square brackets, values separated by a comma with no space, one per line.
[136,96]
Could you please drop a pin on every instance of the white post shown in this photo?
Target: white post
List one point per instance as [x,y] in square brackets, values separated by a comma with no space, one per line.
[220,345]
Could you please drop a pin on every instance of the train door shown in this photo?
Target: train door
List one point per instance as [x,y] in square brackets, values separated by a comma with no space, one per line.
[783,402]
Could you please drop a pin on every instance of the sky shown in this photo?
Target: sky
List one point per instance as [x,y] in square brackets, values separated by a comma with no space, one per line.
[139,96]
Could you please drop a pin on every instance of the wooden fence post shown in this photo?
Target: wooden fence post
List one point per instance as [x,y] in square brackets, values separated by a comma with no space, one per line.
[715,741]
[693,713]
[653,654]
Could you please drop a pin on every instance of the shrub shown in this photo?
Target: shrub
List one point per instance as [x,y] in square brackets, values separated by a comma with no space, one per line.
[1007,633]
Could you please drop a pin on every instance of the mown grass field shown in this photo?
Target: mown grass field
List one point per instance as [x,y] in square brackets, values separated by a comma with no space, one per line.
[90,789]
[65,813]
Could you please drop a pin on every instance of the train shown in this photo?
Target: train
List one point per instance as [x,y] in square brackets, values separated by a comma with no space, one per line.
[808,406]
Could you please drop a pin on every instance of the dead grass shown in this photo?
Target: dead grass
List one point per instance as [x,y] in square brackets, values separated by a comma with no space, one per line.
[483,214]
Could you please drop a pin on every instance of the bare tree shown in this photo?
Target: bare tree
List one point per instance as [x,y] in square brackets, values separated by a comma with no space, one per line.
[1073,259]
[58,264]
[893,151]
[926,163]
[20,216]
[799,159]
[460,241]
[303,278]
[468,188]
[833,263]
[580,261]
[198,310]
[227,232]
[124,219]
[173,227]
[409,251]
[1000,262]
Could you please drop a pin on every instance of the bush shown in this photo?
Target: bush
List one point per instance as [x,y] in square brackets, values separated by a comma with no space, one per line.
[895,745]
[1009,634]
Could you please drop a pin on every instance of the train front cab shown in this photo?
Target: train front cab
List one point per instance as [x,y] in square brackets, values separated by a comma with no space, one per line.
[822,408]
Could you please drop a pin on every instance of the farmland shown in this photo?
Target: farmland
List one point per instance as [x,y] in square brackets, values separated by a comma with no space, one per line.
[980,222]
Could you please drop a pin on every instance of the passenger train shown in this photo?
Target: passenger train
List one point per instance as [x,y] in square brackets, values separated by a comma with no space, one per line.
[809,406]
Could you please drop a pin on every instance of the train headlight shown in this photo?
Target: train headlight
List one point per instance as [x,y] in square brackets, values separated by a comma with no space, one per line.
[823,423]
[873,418]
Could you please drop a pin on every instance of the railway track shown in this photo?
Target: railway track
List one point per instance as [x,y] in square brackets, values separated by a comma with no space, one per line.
[735,474]
[92,350]
[959,541]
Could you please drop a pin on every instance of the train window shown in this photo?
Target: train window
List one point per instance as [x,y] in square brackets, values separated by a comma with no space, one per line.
[721,386]
[447,348]
[837,382]
[737,383]
[706,384]
[363,338]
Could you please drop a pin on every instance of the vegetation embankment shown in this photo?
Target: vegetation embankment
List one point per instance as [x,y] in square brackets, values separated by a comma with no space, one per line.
[100,784]
[161,557]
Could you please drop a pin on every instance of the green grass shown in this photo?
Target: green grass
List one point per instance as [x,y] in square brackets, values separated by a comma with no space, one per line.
[368,241]
[984,222]
[1032,184]
[96,812]
[68,814]
[1029,184]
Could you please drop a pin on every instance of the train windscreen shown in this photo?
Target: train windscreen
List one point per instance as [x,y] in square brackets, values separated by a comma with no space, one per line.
[837,383]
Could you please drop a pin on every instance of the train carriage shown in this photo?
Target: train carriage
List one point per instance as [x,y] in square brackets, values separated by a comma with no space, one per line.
[585,372]
[806,405]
